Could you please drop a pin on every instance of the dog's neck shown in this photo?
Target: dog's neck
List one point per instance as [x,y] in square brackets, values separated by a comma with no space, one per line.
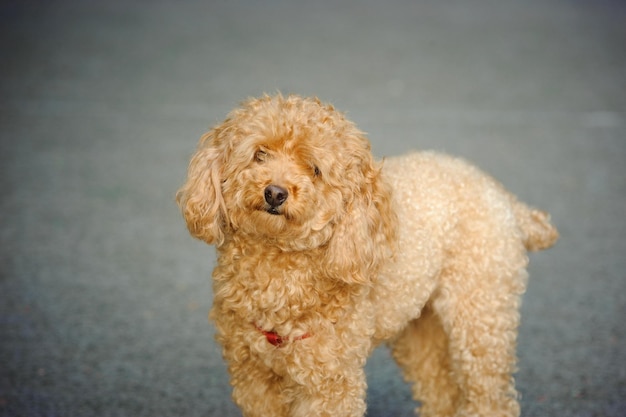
[280,289]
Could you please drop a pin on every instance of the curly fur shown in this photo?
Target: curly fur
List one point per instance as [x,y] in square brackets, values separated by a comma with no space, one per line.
[425,253]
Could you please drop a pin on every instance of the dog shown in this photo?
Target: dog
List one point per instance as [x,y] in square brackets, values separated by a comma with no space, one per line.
[324,253]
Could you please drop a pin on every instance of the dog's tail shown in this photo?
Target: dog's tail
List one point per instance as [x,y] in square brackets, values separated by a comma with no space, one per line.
[537,231]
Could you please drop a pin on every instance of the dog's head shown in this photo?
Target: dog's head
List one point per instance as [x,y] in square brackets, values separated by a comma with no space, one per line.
[293,173]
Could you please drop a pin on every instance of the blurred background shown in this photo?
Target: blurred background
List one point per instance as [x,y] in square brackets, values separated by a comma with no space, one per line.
[103,294]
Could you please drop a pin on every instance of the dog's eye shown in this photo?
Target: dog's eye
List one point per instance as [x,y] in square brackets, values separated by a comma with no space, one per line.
[260,156]
[316,171]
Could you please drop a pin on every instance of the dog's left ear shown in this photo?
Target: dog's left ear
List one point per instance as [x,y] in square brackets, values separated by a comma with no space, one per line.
[200,198]
[365,235]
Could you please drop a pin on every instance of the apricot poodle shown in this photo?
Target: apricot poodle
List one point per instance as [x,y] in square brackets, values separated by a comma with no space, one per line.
[324,253]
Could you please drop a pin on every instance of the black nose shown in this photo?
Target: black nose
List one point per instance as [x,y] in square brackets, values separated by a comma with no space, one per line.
[275,195]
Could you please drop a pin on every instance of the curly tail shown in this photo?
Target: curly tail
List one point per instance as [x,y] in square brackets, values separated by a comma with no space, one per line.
[537,231]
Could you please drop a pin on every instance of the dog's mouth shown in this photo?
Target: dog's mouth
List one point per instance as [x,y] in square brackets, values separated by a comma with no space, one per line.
[274,211]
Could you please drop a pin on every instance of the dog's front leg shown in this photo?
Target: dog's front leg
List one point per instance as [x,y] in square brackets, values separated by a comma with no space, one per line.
[299,379]
[329,379]
[337,395]
[258,391]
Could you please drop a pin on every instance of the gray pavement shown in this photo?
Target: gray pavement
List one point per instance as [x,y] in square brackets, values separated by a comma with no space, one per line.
[103,295]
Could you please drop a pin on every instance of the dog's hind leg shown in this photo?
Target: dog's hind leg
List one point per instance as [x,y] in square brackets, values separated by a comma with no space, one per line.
[481,318]
[421,350]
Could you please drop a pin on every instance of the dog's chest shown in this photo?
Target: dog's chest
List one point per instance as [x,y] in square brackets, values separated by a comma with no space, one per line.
[276,287]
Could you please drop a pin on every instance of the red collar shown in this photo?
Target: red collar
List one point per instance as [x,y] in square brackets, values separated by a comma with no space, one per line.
[278,340]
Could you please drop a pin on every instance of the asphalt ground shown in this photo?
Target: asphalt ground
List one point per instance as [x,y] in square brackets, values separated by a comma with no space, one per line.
[103,294]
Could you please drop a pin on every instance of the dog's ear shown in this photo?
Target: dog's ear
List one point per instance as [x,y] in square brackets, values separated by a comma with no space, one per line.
[200,198]
[365,235]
